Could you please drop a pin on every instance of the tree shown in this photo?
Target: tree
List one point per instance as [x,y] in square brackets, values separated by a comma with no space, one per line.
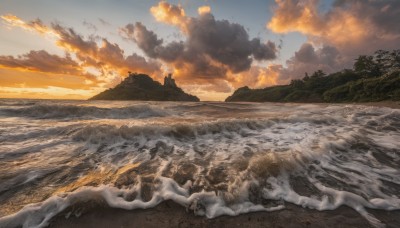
[318,74]
[297,83]
[367,67]
[306,77]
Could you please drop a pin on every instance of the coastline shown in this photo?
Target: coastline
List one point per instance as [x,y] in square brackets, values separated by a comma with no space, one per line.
[170,214]
[386,104]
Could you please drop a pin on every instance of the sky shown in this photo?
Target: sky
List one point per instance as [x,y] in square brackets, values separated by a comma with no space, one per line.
[76,49]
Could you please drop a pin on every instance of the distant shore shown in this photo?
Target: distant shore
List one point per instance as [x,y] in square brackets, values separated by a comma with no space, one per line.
[170,214]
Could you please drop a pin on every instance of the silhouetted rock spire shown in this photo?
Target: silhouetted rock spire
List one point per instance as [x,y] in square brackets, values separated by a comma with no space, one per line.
[169,81]
[142,87]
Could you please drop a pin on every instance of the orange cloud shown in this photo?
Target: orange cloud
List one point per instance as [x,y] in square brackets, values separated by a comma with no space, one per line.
[204,9]
[349,25]
[34,26]
[105,57]
[337,35]
[41,61]
[258,77]
[292,15]
[340,27]
[169,14]
[106,61]
[212,49]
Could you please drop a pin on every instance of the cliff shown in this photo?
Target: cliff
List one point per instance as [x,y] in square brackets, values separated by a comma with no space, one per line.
[144,88]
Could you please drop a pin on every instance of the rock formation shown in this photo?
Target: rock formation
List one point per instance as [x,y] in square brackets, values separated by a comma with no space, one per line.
[143,87]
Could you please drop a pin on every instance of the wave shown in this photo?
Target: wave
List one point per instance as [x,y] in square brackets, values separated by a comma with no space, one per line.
[45,111]
[318,158]
[13,102]
[205,203]
[180,131]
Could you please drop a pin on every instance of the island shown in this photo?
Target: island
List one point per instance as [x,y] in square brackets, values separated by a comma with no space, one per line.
[142,87]
[373,78]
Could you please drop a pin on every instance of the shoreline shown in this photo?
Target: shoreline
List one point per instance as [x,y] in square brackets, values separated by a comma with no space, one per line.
[385,103]
[171,214]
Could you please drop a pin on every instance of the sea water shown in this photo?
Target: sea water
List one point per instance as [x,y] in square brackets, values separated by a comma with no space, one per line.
[213,158]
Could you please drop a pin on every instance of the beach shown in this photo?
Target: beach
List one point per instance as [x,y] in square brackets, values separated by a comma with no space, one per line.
[170,214]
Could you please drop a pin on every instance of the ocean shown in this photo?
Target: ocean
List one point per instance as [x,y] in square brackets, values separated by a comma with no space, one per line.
[213,158]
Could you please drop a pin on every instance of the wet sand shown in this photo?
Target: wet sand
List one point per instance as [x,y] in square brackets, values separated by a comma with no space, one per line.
[170,214]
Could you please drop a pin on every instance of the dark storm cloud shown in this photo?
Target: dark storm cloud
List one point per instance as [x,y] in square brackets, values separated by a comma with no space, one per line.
[105,55]
[263,51]
[308,60]
[212,47]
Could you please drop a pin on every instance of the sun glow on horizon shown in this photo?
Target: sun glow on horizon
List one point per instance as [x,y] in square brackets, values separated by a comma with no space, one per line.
[209,47]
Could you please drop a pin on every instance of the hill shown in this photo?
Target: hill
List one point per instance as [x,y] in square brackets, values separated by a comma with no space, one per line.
[374,78]
[143,87]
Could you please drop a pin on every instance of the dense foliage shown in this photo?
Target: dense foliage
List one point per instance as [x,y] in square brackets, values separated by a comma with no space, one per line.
[373,78]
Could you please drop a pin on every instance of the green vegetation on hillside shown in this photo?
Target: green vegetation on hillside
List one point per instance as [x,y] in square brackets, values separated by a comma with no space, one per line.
[373,78]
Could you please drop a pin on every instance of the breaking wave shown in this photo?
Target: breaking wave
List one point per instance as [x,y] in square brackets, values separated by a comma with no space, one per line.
[45,111]
[316,156]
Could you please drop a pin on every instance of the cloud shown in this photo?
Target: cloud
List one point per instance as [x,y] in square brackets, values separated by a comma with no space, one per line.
[151,44]
[204,9]
[258,77]
[170,14]
[212,48]
[42,61]
[104,22]
[89,25]
[33,26]
[212,52]
[262,51]
[308,59]
[106,57]
[106,61]
[335,36]
[351,26]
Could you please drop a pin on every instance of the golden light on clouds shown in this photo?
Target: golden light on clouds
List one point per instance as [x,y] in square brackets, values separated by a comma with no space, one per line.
[341,27]
[204,9]
[169,14]
[50,92]
[88,66]
[210,57]
[94,64]
[34,26]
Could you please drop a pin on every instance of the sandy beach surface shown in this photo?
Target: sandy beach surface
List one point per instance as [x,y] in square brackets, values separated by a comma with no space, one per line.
[170,214]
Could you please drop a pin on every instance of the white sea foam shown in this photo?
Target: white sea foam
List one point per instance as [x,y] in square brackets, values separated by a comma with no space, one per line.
[256,157]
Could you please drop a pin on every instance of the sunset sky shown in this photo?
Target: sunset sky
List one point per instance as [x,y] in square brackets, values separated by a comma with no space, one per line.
[75,49]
